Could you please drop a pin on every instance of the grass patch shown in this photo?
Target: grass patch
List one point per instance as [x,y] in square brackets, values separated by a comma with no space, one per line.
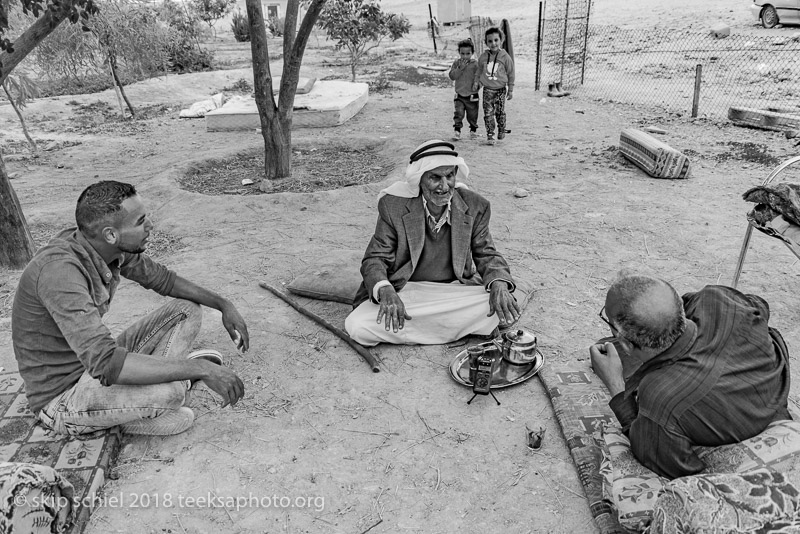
[102,117]
[319,168]
[747,151]
[414,76]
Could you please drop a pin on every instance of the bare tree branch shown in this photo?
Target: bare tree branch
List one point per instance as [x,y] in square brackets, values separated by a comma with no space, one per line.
[262,78]
[289,28]
[26,42]
[291,66]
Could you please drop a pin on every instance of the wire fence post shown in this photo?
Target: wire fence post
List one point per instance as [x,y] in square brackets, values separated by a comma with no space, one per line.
[586,40]
[538,77]
[433,30]
[564,42]
[698,74]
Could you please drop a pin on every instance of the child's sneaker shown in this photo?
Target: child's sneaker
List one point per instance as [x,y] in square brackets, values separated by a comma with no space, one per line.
[473,135]
[457,135]
[490,140]
[501,136]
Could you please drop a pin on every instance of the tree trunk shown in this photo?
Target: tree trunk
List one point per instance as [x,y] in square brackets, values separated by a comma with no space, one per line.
[277,146]
[276,120]
[112,62]
[16,245]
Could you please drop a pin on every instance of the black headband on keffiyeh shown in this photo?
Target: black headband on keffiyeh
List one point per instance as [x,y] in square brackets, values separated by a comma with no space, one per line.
[425,150]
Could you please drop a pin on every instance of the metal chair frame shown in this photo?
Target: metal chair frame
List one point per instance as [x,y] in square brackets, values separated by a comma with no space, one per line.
[749,232]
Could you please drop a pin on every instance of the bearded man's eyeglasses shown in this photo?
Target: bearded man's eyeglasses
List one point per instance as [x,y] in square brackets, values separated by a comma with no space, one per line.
[605,320]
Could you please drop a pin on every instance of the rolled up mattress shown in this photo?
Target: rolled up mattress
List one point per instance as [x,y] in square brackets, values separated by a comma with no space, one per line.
[654,157]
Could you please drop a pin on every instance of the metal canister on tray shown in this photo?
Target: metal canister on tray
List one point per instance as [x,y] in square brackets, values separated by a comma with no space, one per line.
[473,352]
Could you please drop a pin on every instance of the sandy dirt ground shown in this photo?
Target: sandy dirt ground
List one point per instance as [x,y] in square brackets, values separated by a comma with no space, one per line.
[343,447]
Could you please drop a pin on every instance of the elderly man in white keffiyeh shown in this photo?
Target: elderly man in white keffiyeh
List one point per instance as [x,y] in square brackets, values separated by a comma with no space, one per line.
[431,272]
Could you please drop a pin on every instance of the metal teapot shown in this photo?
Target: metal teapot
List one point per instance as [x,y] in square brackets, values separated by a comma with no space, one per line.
[517,347]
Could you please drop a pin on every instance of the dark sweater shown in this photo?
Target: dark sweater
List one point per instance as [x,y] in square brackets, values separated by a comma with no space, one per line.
[436,261]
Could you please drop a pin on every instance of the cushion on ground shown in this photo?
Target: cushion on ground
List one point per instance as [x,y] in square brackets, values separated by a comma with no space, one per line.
[757,501]
[334,276]
[635,490]
[580,402]
[654,157]
[34,499]
[631,488]
[83,463]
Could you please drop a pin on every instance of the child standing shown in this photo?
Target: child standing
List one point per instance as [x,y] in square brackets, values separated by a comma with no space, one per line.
[463,72]
[496,75]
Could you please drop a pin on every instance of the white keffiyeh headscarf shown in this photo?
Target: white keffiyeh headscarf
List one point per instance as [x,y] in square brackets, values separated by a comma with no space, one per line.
[428,156]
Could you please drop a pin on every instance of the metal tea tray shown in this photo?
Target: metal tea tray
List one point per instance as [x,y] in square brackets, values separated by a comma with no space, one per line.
[505,375]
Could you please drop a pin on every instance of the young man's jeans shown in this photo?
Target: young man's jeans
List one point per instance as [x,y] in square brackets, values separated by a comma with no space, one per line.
[89,406]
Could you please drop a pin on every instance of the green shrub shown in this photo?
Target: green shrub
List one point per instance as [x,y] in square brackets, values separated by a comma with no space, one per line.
[210,11]
[239,86]
[240,26]
[183,48]
[275,26]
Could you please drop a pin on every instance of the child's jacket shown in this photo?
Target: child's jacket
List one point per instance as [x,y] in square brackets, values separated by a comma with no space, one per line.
[496,71]
[464,76]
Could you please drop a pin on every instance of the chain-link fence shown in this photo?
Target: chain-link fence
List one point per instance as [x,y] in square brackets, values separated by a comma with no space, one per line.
[665,69]
[658,68]
[562,42]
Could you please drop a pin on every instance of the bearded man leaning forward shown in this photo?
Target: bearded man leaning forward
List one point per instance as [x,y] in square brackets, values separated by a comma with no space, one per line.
[704,369]
[431,273]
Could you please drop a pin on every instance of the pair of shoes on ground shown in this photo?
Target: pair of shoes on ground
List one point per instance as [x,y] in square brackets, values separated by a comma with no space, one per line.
[554,90]
[457,135]
[500,136]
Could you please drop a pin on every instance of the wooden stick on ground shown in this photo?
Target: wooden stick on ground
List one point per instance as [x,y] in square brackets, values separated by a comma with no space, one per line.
[363,351]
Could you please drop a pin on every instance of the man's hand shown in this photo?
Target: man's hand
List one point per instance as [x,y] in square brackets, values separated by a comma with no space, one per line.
[392,309]
[224,382]
[231,320]
[236,327]
[503,303]
[607,365]
[510,95]
[475,87]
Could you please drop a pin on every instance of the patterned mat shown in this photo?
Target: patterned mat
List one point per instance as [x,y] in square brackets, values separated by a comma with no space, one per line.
[580,401]
[83,463]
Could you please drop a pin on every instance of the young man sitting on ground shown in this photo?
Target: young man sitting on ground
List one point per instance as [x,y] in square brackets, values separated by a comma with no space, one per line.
[78,377]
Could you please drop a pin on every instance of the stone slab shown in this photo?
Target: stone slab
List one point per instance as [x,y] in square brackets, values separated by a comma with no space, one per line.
[329,103]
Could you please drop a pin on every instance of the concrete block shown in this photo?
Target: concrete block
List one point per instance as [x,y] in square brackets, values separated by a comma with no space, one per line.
[720,30]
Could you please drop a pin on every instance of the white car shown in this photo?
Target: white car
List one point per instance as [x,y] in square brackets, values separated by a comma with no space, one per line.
[773,12]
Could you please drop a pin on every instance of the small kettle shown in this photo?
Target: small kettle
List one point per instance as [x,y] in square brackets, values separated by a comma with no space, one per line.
[517,347]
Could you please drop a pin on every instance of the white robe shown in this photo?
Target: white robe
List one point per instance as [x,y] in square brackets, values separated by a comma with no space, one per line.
[440,313]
